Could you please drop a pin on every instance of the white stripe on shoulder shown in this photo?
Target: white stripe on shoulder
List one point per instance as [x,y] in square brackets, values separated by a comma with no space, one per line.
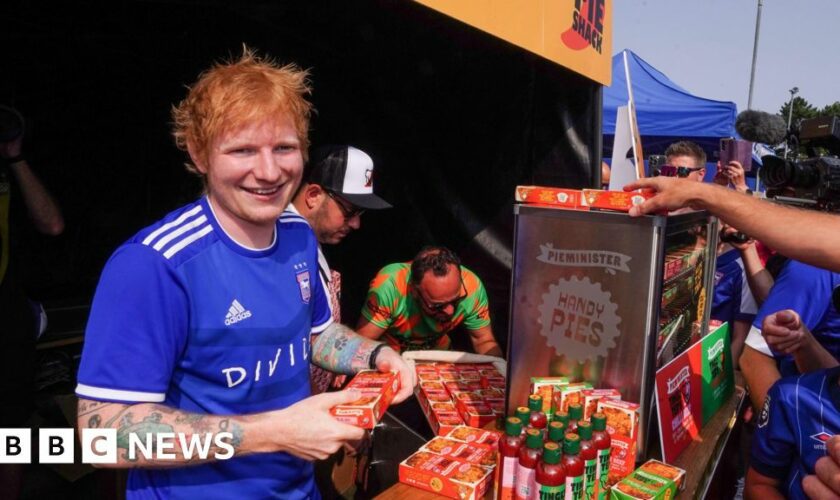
[320,328]
[184,216]
[178,232]
[177,247]
[119,395]
[290,217]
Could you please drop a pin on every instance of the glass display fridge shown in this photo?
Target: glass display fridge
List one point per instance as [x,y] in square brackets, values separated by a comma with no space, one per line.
[606,298]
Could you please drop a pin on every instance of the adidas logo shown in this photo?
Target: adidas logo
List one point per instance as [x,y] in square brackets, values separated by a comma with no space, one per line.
[236,313]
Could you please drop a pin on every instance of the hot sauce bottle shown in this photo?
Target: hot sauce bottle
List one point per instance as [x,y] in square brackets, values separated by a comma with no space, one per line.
[589,454]
[575,414]
[508,458]
[529,456]
[538,419]
[601,440]
[573,464]
[550,475]
[561,416]
[556,432]
[523,414]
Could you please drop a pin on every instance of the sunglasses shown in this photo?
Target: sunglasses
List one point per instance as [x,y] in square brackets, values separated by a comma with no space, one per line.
[440,307]
[672,171]
[348,210]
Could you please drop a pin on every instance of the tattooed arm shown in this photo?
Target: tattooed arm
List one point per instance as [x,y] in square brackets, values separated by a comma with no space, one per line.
[342,350]
[305,429]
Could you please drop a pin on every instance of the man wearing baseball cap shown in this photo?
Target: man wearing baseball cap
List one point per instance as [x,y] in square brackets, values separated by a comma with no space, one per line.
[336,190]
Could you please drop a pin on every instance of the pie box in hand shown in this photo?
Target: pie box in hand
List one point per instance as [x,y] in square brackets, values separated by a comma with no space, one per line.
[445,475]
[615,200]
[569,198]
[377,389]
[623,428]
[590,397]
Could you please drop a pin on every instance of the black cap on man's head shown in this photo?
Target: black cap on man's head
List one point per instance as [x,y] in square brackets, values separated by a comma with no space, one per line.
[346,171]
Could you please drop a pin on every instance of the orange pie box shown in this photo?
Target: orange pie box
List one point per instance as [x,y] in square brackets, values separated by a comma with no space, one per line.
[462,386]
[615,200]
[472,375]
[570,394]
[445,476]
[449,375]
[432,385]
[491,394]
[569,198]
[442,422]
[478,454]
[474,435]
[546,387]
[427,375]
[590,398]
[476,414]
[377,389]
[497,382]
[623,428]
[490,372]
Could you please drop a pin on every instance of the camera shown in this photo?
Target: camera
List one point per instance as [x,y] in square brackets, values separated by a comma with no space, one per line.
[733,237]
[813,182]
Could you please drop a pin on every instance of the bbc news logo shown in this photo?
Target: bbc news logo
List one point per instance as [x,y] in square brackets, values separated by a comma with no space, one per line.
[100,446]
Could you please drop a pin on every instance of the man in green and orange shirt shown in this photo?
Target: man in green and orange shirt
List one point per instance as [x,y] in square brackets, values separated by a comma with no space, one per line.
[417,304]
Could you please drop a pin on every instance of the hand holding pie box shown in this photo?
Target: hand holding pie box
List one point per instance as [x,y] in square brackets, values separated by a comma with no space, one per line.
[377,390]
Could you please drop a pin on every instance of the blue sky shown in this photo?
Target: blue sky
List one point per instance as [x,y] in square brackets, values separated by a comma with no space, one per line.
[705,46]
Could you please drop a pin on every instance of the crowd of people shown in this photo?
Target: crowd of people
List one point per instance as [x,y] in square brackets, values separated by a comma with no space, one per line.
[226,316]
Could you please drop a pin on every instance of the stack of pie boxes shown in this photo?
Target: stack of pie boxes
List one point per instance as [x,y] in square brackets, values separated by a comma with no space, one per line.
[622,416]
[453,394]
[457,465]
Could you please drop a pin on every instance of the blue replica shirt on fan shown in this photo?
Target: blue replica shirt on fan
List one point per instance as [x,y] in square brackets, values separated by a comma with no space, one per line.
[733,300]
[186,317]
[807,290]
[799,415]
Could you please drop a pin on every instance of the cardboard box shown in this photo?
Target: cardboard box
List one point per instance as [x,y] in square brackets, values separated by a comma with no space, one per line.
[546,387]
[623,428]
[654,480]
[569,395]
[478,454]
[473,435]
[590,397]
[615,200]
[377,389]
[569,198]
[445,476]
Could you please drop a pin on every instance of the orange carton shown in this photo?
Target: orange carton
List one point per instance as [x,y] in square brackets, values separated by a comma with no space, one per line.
[615,200]
[442,422]
[474,435]
[569,198]
[377,389]
[545,387]
[478,454]
[476,414]
[445,476]
[590,398]
[566,395]
[623,427]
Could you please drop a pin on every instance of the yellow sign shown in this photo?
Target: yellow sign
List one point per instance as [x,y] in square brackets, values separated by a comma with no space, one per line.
[576,34]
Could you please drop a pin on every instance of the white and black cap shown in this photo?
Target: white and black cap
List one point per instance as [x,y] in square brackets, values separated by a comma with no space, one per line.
[346,171]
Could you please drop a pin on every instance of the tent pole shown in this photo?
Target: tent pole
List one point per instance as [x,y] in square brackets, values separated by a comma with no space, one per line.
[755,54]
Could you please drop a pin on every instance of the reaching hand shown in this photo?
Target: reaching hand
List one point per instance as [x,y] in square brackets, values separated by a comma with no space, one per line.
[388,360]
[784,331]
[826,482]
[309,431]
[672,193]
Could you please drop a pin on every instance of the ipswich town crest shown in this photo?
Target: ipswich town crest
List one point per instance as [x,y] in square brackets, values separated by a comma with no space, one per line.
[304,284]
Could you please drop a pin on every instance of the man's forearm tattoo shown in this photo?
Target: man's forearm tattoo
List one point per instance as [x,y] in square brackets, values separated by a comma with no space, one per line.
[340,349]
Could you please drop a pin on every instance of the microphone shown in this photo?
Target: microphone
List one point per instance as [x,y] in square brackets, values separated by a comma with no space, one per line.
[758,126]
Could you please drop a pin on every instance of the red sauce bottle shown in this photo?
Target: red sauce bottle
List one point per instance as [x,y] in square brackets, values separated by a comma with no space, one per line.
[508,458]
[529,456]
[523,414]
[551,476]
[589,454]
[603,444]
[556,432]
[575,414]
[573,464]
[538,419]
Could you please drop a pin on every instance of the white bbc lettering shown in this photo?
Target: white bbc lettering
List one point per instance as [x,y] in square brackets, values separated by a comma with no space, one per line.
[56,446]
[165,441]
[16,446]
[99,446]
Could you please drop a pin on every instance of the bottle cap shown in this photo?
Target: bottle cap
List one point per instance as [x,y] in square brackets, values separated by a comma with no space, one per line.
[561,416]
[599,422]
[571,444]
[585,430]
[513,426]
[533,438]
[551,453]
[523,413]
[535,402]
[575,412]
[556,430]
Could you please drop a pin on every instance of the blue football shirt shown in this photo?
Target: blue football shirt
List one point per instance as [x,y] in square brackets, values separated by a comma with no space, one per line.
[807,290]
[799,415]
[185,316]
[733,300]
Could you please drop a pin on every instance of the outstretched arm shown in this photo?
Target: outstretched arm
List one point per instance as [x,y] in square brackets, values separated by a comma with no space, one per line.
[42,209]
[484,342]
